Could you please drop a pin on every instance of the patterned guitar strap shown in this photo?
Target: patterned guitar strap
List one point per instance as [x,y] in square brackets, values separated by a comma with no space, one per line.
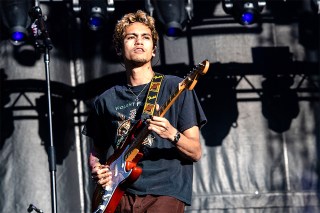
[151,101]
[152,97]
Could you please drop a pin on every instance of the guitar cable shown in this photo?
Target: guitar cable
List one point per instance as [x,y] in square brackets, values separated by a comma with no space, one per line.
[32,207]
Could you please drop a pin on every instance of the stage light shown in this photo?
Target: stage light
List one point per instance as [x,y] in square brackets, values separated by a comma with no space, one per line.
[15,18]
[96,12]
[173,15]
[245,12]
[173,29]
[280,104]
[96,18]
[18,35]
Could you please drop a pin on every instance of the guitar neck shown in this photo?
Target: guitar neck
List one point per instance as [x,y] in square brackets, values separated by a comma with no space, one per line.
[166,106]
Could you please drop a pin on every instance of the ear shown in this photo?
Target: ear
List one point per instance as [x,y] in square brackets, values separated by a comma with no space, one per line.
[154,51]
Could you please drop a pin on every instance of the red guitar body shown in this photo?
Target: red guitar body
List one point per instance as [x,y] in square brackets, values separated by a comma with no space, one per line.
[124,172]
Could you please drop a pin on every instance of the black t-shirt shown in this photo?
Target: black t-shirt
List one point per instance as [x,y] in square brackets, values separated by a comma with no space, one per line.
[165,172]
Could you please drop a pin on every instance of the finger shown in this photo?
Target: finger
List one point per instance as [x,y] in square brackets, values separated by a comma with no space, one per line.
[104,181]
[164,129]
[107,180]
[103,171]
[157,118]
[107,184]
[104,175]
[105,166]
[97,166]
[160,125]
[161,122]
[157,127]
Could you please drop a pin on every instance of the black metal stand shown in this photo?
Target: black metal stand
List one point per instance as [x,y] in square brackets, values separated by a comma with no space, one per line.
[51,151]
[44,45]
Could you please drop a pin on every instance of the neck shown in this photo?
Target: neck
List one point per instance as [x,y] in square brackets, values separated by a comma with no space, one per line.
[139,75]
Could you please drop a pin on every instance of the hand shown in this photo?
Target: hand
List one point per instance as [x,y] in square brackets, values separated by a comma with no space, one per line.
[162,127]
[102,175]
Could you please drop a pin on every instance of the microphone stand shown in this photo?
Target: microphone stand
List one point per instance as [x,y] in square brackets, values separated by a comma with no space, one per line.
[45,46]
[51,150]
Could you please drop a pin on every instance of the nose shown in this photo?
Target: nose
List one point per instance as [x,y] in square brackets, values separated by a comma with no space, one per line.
[139,40]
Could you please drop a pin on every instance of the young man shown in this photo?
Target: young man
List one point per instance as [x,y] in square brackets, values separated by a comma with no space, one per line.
[165,184]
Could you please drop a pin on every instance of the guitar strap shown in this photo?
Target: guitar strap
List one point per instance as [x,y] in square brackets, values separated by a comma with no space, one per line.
[152,97]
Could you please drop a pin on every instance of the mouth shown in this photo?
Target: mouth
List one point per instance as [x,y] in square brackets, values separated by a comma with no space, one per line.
[138,50]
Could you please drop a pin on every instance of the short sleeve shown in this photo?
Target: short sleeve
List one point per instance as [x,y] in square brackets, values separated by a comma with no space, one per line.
[191,113]
[95,128]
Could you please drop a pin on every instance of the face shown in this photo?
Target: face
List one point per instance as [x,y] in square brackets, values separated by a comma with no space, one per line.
[138,44]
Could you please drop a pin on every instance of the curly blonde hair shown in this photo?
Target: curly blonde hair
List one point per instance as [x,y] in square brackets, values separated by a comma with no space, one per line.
[126,20]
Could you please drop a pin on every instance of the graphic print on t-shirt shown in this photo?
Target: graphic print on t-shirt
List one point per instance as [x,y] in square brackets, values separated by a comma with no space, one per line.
[124,125]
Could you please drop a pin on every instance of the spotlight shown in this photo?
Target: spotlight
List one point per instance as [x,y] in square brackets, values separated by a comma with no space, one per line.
[245,12]
[96,18]
[15,18]
[97,12]
[280,104]
[18,35]
[173,29]
[173,15]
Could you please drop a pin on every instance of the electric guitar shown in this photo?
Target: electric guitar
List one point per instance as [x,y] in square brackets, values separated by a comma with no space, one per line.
[123,163]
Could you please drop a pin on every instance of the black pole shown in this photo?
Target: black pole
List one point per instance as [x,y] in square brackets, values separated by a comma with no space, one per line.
[43,43]
[51,150]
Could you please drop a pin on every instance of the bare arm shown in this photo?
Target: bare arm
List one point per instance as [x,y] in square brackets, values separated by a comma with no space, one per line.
[100,173]
[189,142]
